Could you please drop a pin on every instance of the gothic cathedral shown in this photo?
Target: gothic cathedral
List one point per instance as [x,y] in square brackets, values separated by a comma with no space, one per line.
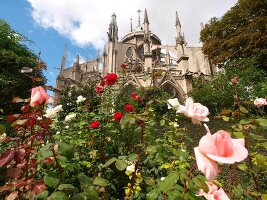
[149,62]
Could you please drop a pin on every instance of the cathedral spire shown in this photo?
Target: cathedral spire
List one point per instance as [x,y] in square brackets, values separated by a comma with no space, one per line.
[131,24]
[63,60]
[146,18]
[139,12]
[113,29]
[178,23]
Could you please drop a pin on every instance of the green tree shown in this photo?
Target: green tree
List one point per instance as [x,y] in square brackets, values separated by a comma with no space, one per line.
[217,93]
[240,33]
[15,56]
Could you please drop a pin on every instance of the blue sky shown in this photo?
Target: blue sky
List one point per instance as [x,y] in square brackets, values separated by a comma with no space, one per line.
[47,40]
[82,24]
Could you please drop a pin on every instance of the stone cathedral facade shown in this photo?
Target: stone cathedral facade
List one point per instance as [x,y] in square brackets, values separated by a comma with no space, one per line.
[149,62]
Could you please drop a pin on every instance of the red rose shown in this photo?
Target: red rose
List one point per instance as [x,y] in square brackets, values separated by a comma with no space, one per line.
[128,107]
[136,97]
[123,66]
[94,124]
[118,116]
[235,80]
[99,89]
[102,83]
[111,79]
[133,95]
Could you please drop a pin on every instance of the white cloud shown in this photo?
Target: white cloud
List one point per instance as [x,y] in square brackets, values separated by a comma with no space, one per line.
[86,22]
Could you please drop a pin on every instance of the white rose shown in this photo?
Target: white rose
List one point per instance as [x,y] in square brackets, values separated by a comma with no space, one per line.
[131,168]
[80,99]
[50,113]
[173,103]
[58,108]
[70,116]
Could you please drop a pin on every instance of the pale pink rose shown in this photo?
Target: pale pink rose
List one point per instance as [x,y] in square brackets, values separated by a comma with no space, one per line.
[219,147]
[196,111]
[259,102]
[214,193]
[39,96]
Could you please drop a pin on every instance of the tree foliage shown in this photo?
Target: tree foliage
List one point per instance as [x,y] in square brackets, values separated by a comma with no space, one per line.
[14,56]
[219,90]
[240,33]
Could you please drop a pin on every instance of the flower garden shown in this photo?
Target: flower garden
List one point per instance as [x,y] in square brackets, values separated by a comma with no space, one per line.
[104,141]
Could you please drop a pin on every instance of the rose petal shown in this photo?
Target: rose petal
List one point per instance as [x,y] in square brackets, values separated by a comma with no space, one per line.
[205,165]
[207,145]
[239,153]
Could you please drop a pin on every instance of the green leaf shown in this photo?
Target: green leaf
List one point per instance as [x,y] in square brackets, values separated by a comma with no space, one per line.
[226,119]
[153,194]
[79,196]
[44,152]
[67,187]
[132,156]
[169,182]
[257,137]
[58,196]
[101,182]
[51,179]
[239,134]
[262,122]
[121,164]
[2,129]
[149,181]
[66,150]
[264,197]
[42,196]
[226,111]
[109,162]
[91,193]
[242,167]
[245,121]
[84,180]
[162,122]
[243,109]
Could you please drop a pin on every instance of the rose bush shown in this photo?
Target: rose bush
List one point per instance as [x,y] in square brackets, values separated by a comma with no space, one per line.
[115,146]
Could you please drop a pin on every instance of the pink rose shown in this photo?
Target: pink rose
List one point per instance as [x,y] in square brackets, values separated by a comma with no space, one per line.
[219,147]
[259,102]
[214,193]
[196,111]
[38,96]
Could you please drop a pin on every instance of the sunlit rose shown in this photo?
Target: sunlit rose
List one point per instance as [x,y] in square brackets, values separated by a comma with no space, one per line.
[219,147]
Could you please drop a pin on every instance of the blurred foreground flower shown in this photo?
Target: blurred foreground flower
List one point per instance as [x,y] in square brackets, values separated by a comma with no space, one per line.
[38,96]
[214,193]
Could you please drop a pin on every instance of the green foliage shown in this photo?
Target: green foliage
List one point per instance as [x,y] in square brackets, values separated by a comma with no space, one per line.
[219,91]
[14,56]
[240,33]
